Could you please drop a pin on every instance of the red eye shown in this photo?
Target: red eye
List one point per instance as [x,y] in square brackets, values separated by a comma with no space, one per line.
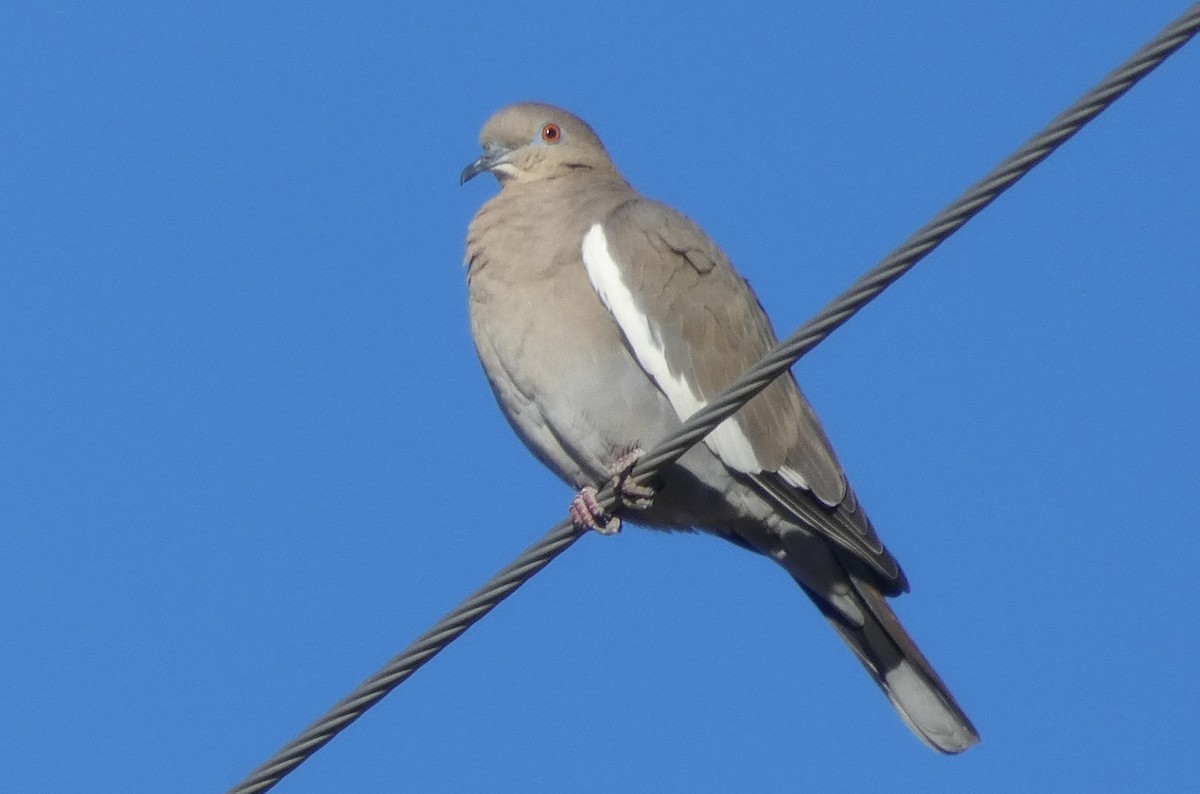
[551,133]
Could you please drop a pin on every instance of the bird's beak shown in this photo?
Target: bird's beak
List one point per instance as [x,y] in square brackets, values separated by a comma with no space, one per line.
[492,157]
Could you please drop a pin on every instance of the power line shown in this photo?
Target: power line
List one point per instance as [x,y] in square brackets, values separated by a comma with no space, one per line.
[754,380]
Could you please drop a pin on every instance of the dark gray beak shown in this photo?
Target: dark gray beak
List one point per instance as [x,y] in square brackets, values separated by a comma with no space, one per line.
[492,157]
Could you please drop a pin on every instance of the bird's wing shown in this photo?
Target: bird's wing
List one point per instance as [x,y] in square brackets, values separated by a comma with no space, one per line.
[694,325]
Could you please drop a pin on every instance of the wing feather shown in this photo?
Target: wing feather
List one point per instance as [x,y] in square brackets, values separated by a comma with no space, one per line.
[694,325]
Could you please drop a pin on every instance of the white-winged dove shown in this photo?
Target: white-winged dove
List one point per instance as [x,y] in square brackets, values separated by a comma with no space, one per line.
[603,319]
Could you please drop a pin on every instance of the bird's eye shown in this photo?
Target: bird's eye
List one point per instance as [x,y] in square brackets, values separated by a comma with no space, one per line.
[551,133]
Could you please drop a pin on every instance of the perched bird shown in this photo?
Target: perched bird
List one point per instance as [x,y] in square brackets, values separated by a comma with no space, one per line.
[603,319]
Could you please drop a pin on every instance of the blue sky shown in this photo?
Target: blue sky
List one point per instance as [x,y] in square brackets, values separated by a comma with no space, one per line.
[247,453]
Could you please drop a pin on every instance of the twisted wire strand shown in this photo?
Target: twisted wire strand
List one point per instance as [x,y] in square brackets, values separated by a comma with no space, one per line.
[921,243]
[737,394]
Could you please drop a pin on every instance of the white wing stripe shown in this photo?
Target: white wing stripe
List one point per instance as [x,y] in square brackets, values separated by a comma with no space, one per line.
[728,440]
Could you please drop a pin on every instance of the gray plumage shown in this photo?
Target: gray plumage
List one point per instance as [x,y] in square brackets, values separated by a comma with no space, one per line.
[602,317]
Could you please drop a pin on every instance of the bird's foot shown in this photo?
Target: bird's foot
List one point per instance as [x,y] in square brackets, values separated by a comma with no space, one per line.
[586,512]
[629,492]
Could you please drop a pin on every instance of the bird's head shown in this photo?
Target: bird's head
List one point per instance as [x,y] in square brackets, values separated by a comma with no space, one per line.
[531,141]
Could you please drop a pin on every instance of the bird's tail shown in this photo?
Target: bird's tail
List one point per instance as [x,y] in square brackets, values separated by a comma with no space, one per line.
[904,674]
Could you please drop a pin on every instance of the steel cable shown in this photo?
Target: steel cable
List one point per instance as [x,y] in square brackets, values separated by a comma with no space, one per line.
[754,380]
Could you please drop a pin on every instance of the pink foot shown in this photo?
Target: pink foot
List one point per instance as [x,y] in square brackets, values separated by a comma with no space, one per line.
[629,492]
[586,512]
